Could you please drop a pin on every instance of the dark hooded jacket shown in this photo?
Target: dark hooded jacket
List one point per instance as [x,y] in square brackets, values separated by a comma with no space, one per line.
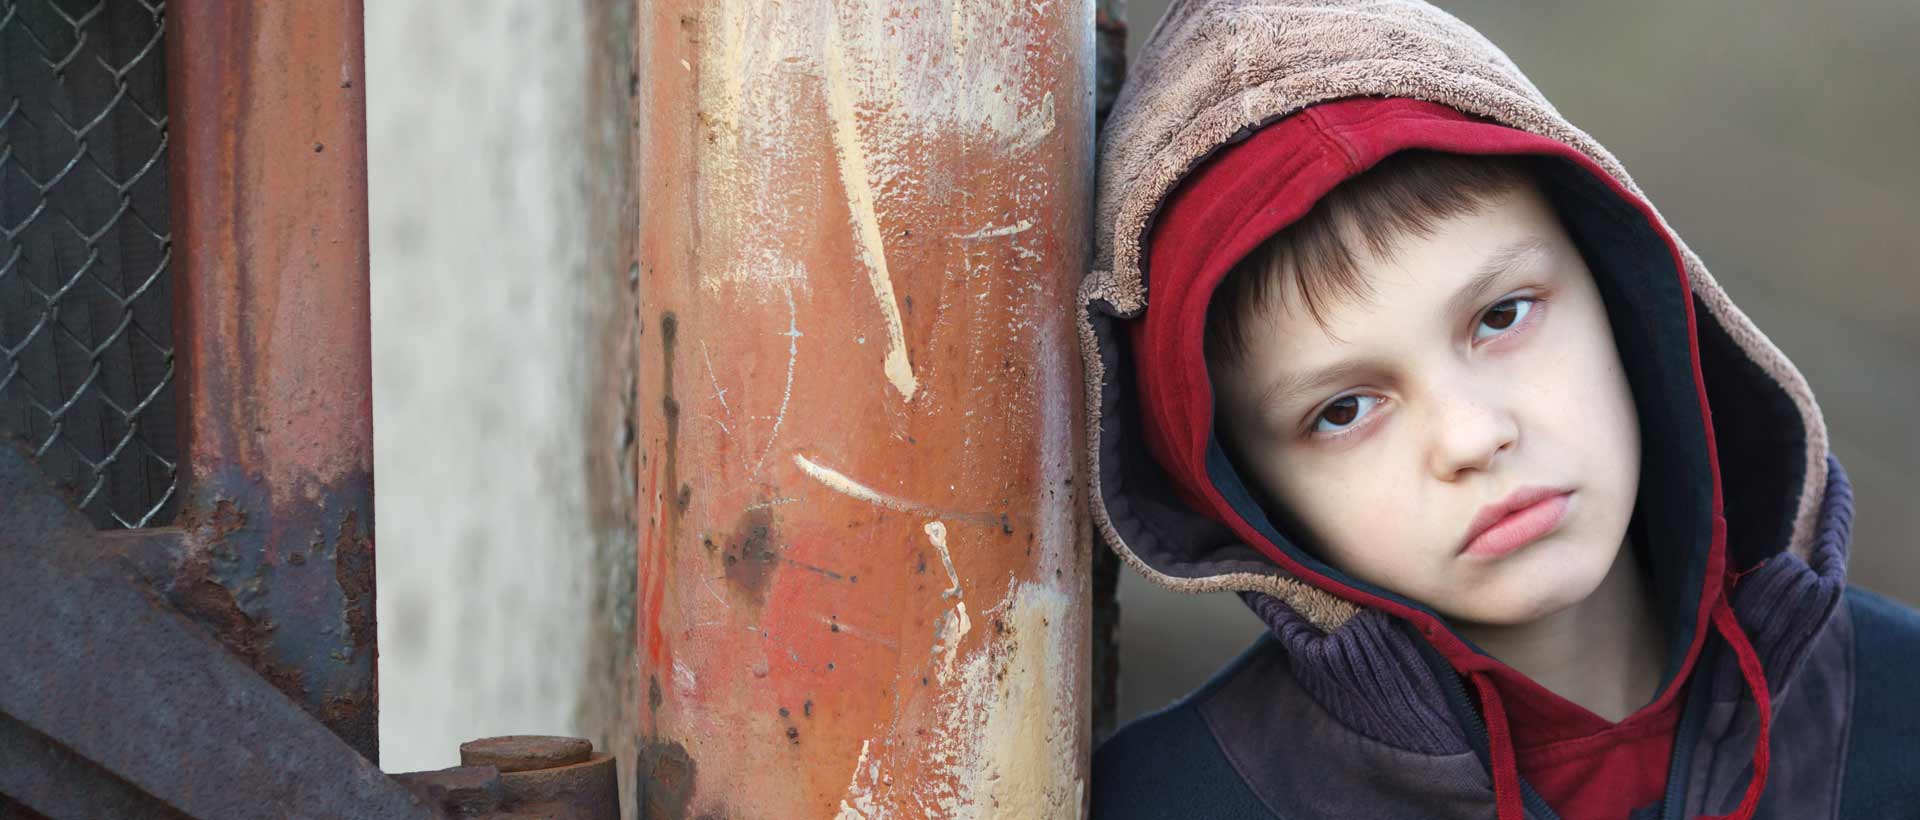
[1782,691]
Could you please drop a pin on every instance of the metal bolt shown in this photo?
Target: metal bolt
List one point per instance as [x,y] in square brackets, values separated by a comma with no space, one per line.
[525,753]
[556,777]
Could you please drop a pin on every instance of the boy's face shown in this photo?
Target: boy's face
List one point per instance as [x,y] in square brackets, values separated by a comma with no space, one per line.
[1395,432]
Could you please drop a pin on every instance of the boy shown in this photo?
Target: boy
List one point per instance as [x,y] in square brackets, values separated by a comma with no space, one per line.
[1541,525]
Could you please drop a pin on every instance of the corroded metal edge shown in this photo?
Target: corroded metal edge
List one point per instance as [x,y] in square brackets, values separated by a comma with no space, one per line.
[113,704]
[267,176]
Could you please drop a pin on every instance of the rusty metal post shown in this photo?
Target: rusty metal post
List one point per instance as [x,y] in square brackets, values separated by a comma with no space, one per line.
[1110,21]
[863,547]
[267,174]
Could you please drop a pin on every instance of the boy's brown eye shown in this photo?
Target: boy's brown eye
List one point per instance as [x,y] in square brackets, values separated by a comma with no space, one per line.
[1501,316]
[1342,412]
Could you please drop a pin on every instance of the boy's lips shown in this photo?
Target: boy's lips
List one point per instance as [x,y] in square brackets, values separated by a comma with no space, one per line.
[1515,521]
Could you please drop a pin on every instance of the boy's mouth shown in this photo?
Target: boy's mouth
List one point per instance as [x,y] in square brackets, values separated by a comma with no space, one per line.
[1515,521]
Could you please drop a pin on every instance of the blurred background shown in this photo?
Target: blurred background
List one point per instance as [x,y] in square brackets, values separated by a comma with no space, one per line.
[495,165]
[1774,135]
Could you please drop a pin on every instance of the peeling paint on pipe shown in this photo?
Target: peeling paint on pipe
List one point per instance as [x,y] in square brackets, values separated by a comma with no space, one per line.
[861,228]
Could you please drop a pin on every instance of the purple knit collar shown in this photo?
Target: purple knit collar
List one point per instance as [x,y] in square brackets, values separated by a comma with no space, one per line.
[1370,675]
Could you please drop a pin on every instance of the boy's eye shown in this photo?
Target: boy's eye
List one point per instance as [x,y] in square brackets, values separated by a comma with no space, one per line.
[1343,412]
[1501,317]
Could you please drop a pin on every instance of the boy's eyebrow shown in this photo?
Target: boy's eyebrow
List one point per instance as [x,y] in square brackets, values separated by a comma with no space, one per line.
[1504,259]
[1285,389]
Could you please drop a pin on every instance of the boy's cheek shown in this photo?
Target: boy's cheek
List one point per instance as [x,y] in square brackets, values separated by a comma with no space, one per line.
[1363,524]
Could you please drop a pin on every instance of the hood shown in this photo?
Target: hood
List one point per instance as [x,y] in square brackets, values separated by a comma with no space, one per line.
[1236,105]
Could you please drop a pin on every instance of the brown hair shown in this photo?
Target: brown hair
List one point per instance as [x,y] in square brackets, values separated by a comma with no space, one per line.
[1408,192]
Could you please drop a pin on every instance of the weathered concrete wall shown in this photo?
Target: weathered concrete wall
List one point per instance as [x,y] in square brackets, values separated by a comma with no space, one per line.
[496,144]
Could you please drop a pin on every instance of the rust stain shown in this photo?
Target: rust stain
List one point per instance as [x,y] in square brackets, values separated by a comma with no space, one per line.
[348,707]
[669,405]
[212,527]
[659,542]
[227,518]
[205,600]
[667,781]
[353,569]
[750,556]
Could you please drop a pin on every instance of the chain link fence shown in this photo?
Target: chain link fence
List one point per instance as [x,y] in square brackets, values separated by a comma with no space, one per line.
[86,336]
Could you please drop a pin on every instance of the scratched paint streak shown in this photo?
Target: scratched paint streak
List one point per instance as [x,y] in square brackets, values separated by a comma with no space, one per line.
[1003,737]
[843,628]
[758,266]
[952,627]
[839,482]
[858,804]
[793,335]
[775,640]
[708,583]
[1003,230]
[1034,127]
[755,187]
[1015,756]
[890,81]
[989,43]
[720,395]
[937,533]
[860,201]
[683,677]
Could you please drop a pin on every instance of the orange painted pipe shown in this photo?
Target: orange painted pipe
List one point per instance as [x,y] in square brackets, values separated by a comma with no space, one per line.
[863,546]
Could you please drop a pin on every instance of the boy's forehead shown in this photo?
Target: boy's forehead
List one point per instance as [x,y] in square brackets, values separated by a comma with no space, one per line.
[1416,276]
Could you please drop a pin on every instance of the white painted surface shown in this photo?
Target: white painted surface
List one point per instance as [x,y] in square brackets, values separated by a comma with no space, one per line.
[475,112]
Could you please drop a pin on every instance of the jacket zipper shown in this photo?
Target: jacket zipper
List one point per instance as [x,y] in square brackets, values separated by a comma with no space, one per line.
[1693,716]
[1462,704]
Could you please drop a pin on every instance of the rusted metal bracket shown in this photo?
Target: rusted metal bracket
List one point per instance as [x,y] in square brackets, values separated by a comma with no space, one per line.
[114,704]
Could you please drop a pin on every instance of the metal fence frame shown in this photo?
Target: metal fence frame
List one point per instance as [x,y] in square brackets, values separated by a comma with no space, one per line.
[270,556]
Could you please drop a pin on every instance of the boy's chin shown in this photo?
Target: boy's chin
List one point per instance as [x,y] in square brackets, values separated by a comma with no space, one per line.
[1505,613]
[1529,591]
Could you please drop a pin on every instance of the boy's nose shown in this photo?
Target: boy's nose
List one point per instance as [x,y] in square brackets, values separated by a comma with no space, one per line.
[1469,431]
